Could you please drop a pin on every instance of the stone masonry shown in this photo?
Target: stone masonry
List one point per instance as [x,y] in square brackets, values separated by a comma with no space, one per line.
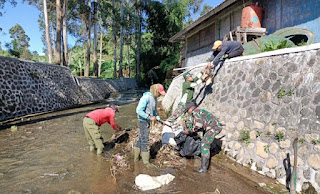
[264,102]
[29,87]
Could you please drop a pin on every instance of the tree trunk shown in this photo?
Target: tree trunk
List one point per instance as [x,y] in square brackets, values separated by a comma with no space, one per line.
[138,39]
[53,38]
[121,39]
[129,60]
[46,21]
[100,61]
[65,35]
[87,65]
[114,39]
[95,40]
[58,34]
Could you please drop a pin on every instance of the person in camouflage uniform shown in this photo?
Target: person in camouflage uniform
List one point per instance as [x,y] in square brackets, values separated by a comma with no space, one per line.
[188,87]
[201,119]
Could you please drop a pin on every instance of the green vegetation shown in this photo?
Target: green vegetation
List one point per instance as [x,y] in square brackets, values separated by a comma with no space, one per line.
[315,141]
[245,136]
[258,133]
[301,140]
[266,148]
[282,92]
[274,46]
[279,136]
[268,133]
[274,123]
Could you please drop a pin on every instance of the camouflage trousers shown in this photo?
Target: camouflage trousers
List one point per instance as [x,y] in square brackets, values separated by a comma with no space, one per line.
[180,110]
[206,142]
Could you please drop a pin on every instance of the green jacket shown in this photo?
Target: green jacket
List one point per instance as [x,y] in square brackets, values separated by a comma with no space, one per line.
[188,89]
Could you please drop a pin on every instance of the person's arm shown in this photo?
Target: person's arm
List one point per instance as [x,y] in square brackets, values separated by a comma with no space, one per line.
[142,107]
[113,122]
[189,124]
[221,53]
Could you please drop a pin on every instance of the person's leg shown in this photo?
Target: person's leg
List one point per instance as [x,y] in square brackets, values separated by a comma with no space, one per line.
[205,149]
[235,53]
[95,134]
[88,136]
[144,138]
[137,149]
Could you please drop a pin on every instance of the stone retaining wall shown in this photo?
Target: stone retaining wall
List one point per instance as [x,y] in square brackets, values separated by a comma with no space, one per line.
[265,101]
[29,87]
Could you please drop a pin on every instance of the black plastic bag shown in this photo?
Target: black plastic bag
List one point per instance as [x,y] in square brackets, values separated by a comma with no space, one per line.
[191,147]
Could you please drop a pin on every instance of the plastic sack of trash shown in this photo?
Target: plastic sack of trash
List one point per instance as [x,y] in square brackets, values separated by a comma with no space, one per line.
[187,145]
[146,182]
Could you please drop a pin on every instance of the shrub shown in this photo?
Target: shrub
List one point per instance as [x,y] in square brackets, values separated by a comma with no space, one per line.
[245,137]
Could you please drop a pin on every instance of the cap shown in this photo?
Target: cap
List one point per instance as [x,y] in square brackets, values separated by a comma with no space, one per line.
[189,105]
[216,44]
[114,107]
[186,75]
[161,90]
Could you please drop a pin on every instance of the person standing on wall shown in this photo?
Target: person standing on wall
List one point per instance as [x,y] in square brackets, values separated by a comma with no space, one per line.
[197,119]
[188,87]
[92,122]
[147,112]
[223,50]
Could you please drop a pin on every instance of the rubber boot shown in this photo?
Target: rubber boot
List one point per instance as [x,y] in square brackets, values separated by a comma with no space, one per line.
[204,165]
[136,152]
[145,158]
[99,151]
[92,148]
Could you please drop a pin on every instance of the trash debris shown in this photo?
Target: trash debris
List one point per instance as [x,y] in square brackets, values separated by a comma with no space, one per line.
[14,128]
[146,182]
[187,145]
[262,184]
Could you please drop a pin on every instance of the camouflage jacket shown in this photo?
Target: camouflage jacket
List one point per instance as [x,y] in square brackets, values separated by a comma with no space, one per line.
[201,118]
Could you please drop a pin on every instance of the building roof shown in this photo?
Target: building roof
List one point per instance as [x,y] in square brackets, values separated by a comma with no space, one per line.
[180,36]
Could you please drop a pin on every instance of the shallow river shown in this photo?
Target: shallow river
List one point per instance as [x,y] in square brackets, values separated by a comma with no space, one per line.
[49,154]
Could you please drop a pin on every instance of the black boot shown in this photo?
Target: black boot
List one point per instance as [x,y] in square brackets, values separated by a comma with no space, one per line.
[204,165]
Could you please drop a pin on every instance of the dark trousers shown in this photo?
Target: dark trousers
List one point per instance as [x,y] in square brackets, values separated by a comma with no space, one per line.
[235,53]
[143,140]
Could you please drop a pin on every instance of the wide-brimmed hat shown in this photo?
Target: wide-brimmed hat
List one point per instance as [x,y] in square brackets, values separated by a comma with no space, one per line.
[216,44]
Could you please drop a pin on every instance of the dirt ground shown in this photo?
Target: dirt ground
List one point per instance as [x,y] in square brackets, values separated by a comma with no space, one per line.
[49,154]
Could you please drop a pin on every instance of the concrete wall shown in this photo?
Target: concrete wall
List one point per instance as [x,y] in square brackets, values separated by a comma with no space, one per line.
[245,97]
[28,87]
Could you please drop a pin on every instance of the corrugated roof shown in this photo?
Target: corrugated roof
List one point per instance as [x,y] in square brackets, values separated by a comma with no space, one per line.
[180,36]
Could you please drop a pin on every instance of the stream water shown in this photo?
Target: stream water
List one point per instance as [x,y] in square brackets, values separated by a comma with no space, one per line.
[49,154]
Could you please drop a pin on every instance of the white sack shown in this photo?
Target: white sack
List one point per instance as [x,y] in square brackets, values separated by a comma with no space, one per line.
[147,182]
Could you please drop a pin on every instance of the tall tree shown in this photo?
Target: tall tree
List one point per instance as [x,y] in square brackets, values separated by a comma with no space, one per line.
[138,36]
[114,38]
[58,33]
[20,42]
[100,61]
[95,39]
[121,39]
[87,63]
[205,9]
[65,34]
[47,30]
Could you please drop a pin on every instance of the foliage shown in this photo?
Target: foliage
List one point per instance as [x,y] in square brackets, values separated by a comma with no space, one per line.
[315,141]
[274,123]
[245,137]
[301,140]
[268,133]
[206,8]
[274,46]
[282,92]
[20,43]
[279,136]
[266,148]
[258,133]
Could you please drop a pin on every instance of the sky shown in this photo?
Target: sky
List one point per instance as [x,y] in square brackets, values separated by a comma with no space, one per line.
[27,17]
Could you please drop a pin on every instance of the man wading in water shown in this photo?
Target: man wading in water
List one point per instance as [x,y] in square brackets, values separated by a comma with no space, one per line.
[92,122]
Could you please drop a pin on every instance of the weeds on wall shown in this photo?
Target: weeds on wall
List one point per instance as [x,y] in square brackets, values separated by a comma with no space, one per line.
[282,93]
[245,137]
[315,141]
[279,136]
[274,46]
[266,148]
[301,140]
